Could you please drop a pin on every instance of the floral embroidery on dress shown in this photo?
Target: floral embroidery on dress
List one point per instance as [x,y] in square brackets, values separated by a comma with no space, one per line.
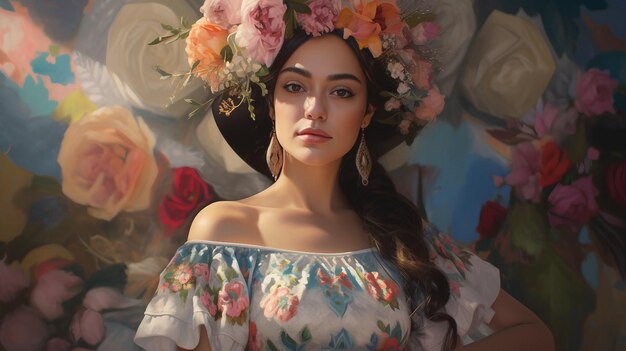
[383,290]
[337,290]
[388,340]
[179,279]
[280,303]
[290,343]
[443,245]
[341,341]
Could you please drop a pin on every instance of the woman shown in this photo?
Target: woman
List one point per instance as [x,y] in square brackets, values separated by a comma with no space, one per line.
[330,256]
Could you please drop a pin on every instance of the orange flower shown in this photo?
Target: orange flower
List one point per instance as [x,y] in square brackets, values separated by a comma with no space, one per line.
[204,44]
[368,21]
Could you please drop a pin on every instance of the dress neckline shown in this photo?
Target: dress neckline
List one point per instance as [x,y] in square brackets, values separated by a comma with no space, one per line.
[275,249]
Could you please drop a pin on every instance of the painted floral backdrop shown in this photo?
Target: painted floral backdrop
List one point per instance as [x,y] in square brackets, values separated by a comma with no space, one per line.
[527,164]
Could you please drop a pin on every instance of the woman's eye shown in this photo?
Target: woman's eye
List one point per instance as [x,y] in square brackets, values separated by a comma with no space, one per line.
[293,87]
[344,93]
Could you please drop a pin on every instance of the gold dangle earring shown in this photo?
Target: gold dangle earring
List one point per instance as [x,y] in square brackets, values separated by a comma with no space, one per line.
[363,160]
[274,156]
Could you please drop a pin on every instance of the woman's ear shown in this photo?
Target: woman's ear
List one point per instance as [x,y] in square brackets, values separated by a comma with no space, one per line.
[369,113]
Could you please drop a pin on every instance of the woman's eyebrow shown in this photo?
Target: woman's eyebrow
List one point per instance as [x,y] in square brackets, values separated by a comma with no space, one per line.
[305,73]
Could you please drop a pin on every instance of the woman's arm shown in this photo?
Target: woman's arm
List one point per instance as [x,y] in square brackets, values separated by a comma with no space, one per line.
[515,328]
[203,345]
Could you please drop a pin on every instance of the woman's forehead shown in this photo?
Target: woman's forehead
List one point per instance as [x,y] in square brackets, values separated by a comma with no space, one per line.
[324,56]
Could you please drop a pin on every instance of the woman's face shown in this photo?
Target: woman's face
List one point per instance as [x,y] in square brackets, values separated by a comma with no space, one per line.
[320,101]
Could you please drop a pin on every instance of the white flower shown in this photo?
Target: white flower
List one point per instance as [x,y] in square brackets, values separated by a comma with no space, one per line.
[403,88]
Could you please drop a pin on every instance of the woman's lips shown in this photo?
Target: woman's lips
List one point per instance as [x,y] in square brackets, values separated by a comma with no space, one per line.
[313,135]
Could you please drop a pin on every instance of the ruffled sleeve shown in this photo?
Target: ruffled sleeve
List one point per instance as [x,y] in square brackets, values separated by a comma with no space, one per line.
[474,286]
[205,285]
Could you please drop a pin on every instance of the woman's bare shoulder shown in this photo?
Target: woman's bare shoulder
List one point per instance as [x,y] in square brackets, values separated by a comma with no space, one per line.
[225,221]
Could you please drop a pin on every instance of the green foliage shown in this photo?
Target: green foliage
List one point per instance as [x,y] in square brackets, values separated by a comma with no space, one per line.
[528,227]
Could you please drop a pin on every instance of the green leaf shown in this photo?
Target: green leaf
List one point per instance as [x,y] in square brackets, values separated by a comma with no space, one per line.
[299,7]
[381,325]
[576,146]
[529,227]
[164,74]
[195,64]
[193,102]
[166,39]
[288,341]
[167,27]
[6,4]
[227,53]
[290,23]
[194,112]
[305,335]
[271,346]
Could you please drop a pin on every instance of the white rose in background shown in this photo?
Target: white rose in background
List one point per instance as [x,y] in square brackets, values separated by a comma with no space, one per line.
[131,62]
[508,67]
[458,23]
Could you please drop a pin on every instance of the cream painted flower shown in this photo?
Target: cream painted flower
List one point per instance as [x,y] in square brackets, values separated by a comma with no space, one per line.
[107,162]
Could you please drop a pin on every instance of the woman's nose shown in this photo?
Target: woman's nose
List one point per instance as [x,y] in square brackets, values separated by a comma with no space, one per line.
[315,108]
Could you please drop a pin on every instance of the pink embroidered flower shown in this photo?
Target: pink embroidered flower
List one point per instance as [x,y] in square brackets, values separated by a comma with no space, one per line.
[233,299]
[202,270]
[207,301]
[225,13]
[594,92]
[204,45]
[52,289]
[23,330]
[381,289]
[262,29]
[321,19]
[281,303]
[424,32]
[573,205]
[430,106]
[12,281]
[253,343]
[524,176]
[183,274]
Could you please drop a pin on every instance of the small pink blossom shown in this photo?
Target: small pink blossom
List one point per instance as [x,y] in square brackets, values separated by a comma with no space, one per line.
[233,299]
[207,301]
[594,92]
[321,19]
[424,32]
[573,205]
[544,119]
[52,289]
[593,153]
[262,29]
[225,13]
[524,176]
[430,106]
[23,330]
[392,104]
[12,281]
[88,325]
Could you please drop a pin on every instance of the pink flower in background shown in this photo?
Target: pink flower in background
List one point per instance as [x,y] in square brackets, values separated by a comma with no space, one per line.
[224,13]
[12,281]
[23,330]
[524,176]
[321,19]
[594,92]
[262,29]
[233,299]
[573,205]
[555,121]
[58,344]
[430,106]
[52,289]
[88,325]
[107,162]
[544,119]
[204,45]
[424,32]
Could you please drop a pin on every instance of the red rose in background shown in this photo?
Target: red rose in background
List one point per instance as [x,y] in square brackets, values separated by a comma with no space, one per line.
[553,164]
[492,216]
[616,182]
[189,193]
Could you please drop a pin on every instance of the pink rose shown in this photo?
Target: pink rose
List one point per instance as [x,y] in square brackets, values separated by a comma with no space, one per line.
[552,120]
[573,205]
[430,106]
[12,281]
[225,13]
[107,162]
[58,344]
[524,176]
[262,29]
[52,289]
[424,32]
[233,299]
[23,330]
[321,19]
[204,45]
[594,92]
[88,325]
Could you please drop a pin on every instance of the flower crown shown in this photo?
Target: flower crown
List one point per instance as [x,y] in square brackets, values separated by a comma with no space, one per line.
[234,43]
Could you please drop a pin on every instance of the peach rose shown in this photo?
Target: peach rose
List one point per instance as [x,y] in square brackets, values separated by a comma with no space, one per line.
[107,162]
[204,44]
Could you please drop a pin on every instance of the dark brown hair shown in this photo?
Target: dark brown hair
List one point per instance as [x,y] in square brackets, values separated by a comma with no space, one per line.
[392,221]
